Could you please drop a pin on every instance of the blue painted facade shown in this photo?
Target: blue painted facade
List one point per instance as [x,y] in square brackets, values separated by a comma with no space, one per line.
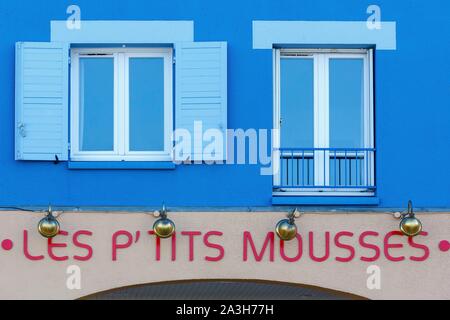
[412,105]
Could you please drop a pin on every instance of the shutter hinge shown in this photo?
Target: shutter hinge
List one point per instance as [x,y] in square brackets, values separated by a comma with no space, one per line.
[22,130]
[69,147]
[174,60]
[70,60]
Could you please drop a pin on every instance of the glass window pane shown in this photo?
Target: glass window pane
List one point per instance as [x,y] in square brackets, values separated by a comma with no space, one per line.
[346,103]
[146,104]
[297,103]
[96,104]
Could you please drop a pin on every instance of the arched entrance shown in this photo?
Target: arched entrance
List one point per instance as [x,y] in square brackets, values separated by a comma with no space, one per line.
[222,290]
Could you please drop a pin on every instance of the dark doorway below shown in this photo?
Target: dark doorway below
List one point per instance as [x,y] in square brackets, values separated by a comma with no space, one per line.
[221,290]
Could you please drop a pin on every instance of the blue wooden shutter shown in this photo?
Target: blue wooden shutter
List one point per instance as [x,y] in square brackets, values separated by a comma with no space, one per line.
[201,93]
[42,81]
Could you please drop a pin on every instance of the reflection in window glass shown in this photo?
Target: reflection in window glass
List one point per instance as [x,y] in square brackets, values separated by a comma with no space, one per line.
[346,103]
[96,104]
[146,104]
[297,103]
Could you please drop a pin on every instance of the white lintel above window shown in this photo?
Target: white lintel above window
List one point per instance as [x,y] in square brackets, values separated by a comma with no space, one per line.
[316,34]
[129,32]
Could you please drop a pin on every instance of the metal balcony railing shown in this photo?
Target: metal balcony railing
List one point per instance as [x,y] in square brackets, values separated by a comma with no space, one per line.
[326,169]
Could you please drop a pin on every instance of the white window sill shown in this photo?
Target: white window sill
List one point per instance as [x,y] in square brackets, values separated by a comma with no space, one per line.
[122,165]
[362,193]
[348,200]
[158,157]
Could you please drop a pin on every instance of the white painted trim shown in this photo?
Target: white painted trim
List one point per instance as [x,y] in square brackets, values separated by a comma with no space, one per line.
[100,50]
[120,125]
[321,118]
[121,106]
[371,115]
[276,156]
[311,52]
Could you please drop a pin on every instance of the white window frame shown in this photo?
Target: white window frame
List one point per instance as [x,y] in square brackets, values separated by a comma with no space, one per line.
[121,58]
[321,59]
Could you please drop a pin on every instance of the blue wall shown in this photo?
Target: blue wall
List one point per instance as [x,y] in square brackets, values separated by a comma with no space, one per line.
[412,93]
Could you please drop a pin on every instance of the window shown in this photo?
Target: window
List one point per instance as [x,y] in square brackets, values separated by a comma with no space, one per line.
[324,113]
[121,105]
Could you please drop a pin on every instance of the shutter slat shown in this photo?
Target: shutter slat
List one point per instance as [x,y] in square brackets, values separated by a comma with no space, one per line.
[42,80]
[201,94]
